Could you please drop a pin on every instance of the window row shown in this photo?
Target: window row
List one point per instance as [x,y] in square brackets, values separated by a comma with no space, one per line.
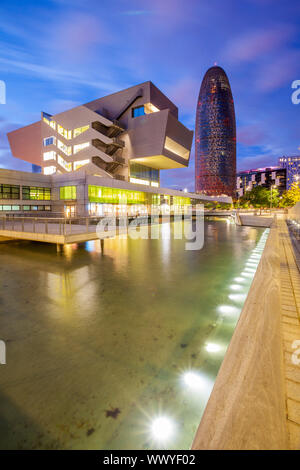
[11,208]
[67,134]
[9,191]
[34,193]
[67,150]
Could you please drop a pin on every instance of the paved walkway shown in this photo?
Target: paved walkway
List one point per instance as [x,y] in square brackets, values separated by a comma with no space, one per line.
[290,307]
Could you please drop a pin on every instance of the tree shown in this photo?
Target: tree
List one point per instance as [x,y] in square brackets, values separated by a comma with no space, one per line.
[292,196]
[258,197]
[273,197]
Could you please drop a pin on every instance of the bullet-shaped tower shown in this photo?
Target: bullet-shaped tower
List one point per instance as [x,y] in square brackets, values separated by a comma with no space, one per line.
[215,145]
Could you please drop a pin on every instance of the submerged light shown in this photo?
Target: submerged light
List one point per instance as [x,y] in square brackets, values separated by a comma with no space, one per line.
[228,310]
[213,347]
[162,428]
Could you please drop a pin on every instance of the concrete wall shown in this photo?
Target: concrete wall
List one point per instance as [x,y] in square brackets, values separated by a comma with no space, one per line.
[295,211]
[25,143]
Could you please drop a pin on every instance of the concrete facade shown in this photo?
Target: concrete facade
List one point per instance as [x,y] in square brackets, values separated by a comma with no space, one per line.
[139,124]
[69,194]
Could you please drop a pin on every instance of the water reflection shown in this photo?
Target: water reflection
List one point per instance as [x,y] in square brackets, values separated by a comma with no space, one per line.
[116,345]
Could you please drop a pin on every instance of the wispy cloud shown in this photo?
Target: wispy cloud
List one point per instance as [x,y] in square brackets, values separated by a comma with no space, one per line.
[254,44]
[280,72]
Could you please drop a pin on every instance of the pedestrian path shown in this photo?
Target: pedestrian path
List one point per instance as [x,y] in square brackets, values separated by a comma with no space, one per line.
[290,309]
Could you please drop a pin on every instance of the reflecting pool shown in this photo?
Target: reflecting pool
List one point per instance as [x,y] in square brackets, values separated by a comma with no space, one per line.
[118,346]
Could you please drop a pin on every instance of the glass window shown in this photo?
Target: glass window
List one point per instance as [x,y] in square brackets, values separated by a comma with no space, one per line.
[116,196]
[49,155]
[138,111]
[49,141]
[9,191]
[79,147]
[34,193]
[64,132]
[49,170]
[64,164]
[68,192]
[80,163]
[64,148]
[143,172]
[150,108]
[80,130]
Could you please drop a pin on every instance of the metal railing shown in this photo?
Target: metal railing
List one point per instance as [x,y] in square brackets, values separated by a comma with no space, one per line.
[50,225]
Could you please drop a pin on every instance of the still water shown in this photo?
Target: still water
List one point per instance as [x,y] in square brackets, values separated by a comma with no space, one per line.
[117,347]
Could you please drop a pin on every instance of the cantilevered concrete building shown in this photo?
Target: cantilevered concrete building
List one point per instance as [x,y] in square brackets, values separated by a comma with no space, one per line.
[130,135]
[101,158]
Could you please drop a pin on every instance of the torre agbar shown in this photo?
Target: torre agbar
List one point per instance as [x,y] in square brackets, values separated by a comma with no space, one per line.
[215,140]
[101,158]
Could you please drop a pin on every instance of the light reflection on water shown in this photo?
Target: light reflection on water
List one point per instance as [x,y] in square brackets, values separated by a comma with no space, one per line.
[117,345]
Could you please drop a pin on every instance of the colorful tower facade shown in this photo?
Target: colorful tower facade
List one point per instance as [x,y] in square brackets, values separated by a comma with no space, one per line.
[215,139]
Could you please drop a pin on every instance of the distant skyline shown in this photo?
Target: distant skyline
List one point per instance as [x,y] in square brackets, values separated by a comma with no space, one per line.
[56,54]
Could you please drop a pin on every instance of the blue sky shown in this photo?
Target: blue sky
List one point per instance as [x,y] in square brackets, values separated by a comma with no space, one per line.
[60,53]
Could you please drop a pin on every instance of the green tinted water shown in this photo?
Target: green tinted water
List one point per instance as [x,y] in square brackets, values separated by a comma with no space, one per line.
[100,344]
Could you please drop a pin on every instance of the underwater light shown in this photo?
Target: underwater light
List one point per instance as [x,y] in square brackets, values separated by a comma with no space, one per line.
[162,428]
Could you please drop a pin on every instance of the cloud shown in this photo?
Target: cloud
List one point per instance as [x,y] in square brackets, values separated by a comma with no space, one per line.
[55,74]
[256,161]
[252,134]
[255,44]
[75,36]
[281,71]
[184,93]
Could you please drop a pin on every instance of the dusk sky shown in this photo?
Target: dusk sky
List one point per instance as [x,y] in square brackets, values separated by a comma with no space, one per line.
[61,53]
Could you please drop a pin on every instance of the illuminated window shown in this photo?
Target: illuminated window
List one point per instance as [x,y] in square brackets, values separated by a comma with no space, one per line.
[80,164]
[80,130]
[116,196]
[64,148]
[49,141]
[64,164]
[47,118]
[49,170]
[79,147]
[49,155]
[139,181]
[64,132]
[176,148]
[33,193]
[68,192]
[150,108]
[155,184]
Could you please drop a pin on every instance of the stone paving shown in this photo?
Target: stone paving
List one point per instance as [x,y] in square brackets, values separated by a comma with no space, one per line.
[290,308]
